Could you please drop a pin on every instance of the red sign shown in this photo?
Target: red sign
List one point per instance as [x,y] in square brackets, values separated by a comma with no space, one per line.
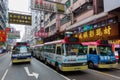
[2,36]
[7,29]
[41,34]
[41,29]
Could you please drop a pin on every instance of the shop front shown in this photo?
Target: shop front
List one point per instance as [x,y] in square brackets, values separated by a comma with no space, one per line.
[108,29]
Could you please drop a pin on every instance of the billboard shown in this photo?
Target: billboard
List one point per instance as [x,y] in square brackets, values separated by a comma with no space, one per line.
[2,36]
[48,6]
[14,35]
[111,5]
[16,18]
[108,32]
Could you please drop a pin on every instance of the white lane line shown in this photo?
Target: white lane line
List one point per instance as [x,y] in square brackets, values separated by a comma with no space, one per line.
[56,72]
[4,74]
[117,77]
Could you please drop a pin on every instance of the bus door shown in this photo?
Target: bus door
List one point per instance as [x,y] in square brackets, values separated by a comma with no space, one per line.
[92,56]
[59,53]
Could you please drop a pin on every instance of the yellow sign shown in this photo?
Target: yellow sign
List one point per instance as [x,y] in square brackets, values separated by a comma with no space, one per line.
[20,19]
[108,33]
[40,42]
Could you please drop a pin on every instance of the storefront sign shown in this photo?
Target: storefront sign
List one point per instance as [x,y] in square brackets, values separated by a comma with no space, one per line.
[60,8]
[20,19]
[7,29]
[14,35]
[105,33]
[114,41]
[40,42]
[41,34]
[48,6]
[2,36]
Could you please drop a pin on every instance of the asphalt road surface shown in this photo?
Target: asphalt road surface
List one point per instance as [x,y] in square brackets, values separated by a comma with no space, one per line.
[37,70]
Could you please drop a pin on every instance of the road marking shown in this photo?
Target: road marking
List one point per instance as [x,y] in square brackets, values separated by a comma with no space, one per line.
[4,74]
[56,72]
[117,77]
[33,74]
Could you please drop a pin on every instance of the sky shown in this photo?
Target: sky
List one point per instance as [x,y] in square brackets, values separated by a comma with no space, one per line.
[19,6]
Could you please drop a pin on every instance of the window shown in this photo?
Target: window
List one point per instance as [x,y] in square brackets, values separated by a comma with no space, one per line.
[86,6]
[20,49]
[65,20]
[92,51]
[59,50]
[105,50]
[74,1]
[52,16]
[47,29]
[53,27]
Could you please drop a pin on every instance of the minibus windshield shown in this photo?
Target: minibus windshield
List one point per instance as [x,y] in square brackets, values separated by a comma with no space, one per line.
[74,49]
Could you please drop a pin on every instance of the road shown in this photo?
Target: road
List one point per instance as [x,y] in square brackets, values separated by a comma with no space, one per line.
[36,70]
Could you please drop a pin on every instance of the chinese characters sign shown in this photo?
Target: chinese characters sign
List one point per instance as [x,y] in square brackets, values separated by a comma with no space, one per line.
[47,6]
[19,19]
[2,36]
[107,33]
[14,35]
[41,34]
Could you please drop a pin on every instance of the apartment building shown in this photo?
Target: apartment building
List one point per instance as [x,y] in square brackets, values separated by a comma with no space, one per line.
[3,13]
[90,20]
[76,11]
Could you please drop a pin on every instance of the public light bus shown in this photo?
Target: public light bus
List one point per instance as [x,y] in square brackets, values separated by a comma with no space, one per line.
[66,54]
[21,53]
[99,54]
[38,52]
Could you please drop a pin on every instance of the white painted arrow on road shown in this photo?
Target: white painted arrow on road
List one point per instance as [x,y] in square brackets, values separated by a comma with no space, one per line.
[33,73]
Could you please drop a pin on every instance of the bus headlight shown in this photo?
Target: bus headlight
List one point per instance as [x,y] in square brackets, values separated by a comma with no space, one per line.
[84,63]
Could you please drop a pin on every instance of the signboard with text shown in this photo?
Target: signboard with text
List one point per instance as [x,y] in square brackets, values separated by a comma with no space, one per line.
[14,35]
[7,29]
[41,34]
[16,18]
[104,33]
[2,36]
[47,6]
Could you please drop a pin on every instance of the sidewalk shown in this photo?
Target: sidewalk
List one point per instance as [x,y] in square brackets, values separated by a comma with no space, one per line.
[118,66]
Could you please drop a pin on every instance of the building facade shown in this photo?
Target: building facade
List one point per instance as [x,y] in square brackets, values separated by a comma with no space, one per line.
[3,20]
[37,23]
[90,20]
[3,13]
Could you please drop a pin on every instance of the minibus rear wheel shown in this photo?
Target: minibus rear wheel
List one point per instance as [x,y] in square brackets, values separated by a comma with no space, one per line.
[91,64]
